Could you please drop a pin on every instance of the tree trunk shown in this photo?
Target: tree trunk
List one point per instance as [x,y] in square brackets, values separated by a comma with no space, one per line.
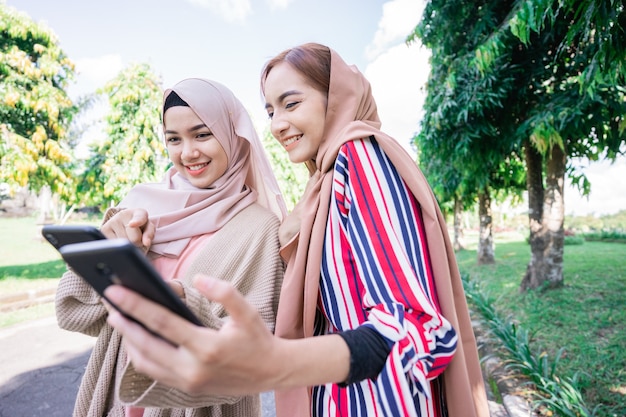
[458,225]
[546,214]
[485,250]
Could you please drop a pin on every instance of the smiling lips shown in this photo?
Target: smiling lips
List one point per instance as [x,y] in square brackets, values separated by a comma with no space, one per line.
[290,141]
[196,169]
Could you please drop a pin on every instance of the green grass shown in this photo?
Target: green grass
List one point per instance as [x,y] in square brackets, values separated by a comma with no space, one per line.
[586,317]
[27,262]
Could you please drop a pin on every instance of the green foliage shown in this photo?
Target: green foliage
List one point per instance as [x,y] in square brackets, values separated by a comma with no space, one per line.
[606,236]
[35,111]
[590,223]
[464,144]
[133,150]
[573,240]
[292,178]
[561,395]
[580,327]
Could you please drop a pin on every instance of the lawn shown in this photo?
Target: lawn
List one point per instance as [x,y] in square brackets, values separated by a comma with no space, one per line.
[27,262]
[586,317]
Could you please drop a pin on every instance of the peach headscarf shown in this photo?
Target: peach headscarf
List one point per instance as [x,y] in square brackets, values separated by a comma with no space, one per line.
[351,114]
[180,210]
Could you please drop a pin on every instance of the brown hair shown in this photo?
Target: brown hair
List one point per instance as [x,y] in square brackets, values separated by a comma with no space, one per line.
[312,60]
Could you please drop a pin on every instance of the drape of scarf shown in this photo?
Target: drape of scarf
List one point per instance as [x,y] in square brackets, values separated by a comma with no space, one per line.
[180,210]
[352,114]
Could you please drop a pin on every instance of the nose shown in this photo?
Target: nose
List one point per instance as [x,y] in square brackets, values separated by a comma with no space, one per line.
[278,126]
[190,151]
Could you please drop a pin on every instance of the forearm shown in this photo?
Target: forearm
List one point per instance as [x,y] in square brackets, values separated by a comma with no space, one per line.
[78,307]
[311,361]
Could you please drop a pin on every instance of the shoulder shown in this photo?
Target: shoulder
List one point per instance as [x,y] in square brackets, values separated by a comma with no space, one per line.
[364,153]
[363,149]
[256,216]
[352,145]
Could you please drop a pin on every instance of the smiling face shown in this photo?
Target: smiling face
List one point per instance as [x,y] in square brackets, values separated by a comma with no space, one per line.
[297,111]
[196,154]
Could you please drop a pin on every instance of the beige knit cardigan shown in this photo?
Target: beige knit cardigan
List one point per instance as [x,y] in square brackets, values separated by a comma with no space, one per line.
[245,252]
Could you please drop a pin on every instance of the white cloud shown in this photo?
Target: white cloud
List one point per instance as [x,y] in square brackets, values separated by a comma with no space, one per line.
[398,72]
[279,4]
[229,10]
[399,19]
[398,77]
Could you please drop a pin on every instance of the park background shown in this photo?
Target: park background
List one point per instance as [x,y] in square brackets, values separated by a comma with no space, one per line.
[229,42]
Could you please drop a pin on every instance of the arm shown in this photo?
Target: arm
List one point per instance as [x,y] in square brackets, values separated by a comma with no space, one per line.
[78,306]
[244,253]
[243,357]
[383,230]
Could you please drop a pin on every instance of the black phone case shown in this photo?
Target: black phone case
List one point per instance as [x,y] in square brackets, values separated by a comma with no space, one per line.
[61,235]
[104,262]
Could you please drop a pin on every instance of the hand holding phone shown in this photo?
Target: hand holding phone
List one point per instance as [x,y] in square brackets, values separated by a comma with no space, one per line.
[117,261]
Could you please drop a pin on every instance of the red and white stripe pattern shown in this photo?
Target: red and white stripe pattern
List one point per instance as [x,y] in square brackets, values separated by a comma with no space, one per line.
[376,272]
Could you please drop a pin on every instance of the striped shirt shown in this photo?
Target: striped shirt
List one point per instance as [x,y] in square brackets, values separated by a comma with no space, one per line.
[376,272]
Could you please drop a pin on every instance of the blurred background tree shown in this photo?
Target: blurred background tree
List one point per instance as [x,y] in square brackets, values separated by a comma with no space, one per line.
[35,110]
[133,150]
[520,85]
[291,177]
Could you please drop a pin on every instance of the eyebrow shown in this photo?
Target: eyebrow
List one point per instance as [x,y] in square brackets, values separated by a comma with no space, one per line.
[283,96]
[194,128]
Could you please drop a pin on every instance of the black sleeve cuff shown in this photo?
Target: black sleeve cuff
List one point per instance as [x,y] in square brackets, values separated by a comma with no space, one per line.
[368,353]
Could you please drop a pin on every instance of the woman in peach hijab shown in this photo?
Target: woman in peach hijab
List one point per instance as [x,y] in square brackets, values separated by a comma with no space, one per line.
[372,316]
[216,212]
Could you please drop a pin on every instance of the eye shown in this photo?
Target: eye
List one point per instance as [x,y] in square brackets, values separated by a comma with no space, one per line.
[291,104]
[204,135]
[172,139]
[270,114]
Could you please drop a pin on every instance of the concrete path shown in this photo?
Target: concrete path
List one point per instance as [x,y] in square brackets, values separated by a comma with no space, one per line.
[41,368]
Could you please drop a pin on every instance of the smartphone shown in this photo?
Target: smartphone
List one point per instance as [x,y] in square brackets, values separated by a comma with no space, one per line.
[117,261]
[61,235]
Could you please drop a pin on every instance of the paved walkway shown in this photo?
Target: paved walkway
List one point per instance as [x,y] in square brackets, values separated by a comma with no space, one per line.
[41,369]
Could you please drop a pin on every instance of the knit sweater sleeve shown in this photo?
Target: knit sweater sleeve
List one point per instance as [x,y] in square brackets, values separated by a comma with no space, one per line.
[78,306]
[244,252]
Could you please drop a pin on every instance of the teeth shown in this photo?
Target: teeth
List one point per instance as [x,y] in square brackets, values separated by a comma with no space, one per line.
[196,167]
[292,140]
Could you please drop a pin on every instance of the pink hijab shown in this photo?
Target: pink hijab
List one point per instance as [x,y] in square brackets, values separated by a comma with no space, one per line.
[351,114]
[178,209]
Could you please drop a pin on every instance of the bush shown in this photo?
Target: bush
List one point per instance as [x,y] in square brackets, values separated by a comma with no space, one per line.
[574,240]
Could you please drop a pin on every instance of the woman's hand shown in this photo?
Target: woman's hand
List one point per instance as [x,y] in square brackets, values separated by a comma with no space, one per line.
[241,358]
[238,359]
[131,224]
[177,287]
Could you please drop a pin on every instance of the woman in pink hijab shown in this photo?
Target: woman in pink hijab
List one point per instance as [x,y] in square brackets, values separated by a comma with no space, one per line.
[372,317]
[216,212]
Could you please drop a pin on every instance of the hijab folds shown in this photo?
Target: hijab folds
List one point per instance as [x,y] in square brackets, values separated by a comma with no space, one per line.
[351,115]
[178,209]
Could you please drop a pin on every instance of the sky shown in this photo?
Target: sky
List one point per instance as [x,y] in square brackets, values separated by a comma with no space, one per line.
[230,40]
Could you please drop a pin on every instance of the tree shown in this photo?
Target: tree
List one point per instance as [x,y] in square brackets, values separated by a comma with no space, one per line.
[133,150]
[35,110]
[536,87]
[462,136]
[292,178]
[578,109]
